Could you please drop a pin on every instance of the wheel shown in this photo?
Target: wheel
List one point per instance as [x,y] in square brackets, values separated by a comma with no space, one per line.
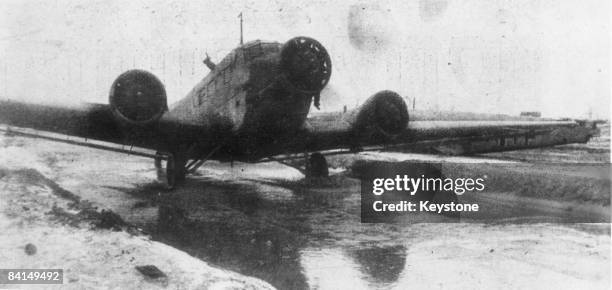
[318,165]
[179,167]
[170,172]
[158,165]
[173,173]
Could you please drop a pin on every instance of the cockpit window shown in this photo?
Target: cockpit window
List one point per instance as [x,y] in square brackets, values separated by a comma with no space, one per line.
[259,48]
[254,50]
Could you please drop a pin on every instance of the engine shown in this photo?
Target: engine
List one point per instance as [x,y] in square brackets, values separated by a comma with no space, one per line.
[138,98]
[385,113]
[305,66]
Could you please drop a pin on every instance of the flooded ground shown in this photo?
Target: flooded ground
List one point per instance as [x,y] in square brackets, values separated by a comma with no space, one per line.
[261,220]
[299,239]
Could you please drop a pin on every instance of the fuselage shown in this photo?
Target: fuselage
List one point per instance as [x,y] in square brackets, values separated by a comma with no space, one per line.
[245,103]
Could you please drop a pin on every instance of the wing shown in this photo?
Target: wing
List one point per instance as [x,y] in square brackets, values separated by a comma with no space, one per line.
[471,137]
[93,121]
[339,131]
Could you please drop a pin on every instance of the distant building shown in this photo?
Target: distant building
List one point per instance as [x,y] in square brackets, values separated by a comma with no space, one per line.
[531,114]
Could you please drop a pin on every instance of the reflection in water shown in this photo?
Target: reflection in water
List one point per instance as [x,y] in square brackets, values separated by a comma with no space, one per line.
[381,264]
[331,269]
[298,236]
[284,235]
[235,233]
[362,268]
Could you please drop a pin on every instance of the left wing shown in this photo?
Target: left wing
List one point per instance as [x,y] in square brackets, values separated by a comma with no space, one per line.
[374,126]
[472,137]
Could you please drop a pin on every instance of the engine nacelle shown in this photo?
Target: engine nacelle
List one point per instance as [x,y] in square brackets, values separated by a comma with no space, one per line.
[138,98]
[305,64]
[385,113]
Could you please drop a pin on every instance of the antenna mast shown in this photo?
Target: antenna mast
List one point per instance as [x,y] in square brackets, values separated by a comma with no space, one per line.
[240,16]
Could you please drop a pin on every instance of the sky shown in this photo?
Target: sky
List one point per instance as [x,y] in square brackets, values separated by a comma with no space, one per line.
[497,56]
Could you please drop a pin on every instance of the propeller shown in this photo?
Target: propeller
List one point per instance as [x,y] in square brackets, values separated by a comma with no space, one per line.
[138,97]
[306,65]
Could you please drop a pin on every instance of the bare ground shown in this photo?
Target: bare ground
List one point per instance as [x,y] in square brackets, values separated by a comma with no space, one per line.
[259,221]
[95,249]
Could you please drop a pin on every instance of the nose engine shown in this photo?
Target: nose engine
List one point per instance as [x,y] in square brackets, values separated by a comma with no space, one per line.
[305,66]
[138,98]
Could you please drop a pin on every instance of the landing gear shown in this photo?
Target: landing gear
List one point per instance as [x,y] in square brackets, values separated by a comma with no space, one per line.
[174,171]
[317,166]
[177,165]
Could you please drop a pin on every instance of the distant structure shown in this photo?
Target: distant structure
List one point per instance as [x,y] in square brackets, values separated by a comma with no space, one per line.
[535,114]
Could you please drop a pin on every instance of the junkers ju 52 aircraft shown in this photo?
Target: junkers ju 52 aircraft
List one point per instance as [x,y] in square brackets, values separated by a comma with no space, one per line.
[253,106]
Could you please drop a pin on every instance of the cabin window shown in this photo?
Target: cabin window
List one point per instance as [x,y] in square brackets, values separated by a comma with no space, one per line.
[234,60]
[227,75]
[219,82]
[201,97]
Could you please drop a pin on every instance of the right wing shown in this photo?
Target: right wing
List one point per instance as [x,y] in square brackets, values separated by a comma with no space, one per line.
[382,122]
[96,122]
[93,121]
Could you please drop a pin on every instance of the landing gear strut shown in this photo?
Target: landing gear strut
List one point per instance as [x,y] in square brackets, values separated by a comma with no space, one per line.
[174,171]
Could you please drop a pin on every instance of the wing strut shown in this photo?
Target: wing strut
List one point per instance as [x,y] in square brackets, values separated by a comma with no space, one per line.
[196,163]
[79,141]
